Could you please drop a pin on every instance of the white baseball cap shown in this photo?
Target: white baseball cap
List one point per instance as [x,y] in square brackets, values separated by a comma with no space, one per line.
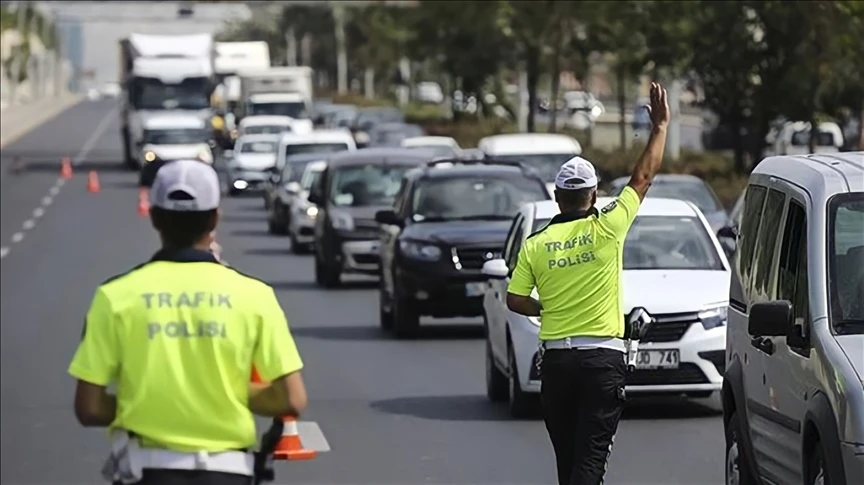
[186,186]
[576,173]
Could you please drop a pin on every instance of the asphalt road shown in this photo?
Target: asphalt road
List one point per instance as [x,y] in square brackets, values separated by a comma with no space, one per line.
[394,412]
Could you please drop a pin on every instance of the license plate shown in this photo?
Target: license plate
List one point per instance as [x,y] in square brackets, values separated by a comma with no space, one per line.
[658,359]
[475,289]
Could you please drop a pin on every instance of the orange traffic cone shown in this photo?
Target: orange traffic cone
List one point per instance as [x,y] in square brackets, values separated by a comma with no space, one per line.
[66,169]
[143,203]
[93,183]
[290,447]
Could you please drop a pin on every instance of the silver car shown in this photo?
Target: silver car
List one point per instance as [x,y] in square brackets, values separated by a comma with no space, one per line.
[301,224]
[793,389]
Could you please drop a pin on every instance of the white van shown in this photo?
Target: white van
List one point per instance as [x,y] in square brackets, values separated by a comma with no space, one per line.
[546,152]
[321,141]
[175,136]
[793,388]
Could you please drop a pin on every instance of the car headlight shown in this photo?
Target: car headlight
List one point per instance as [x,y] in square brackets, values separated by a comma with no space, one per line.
[424,252]
[342,221]
[149,156]
[311,212]
[714,317]
[596,111]
[361,137]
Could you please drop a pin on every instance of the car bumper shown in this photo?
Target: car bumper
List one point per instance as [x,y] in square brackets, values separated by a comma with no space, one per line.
[303,228]
[442,294]
[361,256]
[248,180]
[701,367]
[853,461]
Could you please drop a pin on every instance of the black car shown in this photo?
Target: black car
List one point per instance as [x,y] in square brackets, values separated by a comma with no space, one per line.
[352,189]
[449,218]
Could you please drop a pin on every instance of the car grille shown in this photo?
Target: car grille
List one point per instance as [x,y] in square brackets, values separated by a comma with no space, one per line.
[687,373]
[367,258]
[474,257]
[670,327]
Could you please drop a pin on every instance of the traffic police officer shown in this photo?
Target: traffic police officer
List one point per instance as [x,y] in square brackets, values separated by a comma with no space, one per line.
[178,336]
[576,264]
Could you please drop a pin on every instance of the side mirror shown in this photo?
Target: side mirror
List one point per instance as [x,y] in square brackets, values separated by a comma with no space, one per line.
[495,269]
[292,187]
[728,232]
[770,319]
[316,195]
[637,324]
[388,217]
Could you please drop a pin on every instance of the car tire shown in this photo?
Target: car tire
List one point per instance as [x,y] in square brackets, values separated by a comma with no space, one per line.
[326,276]
[817,469]
[406,320]
[496,381]
[296,246]
[385,314]
[522,404]
[738,469]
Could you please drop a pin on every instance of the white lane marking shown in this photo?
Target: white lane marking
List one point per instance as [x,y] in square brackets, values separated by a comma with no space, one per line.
[55,189]
[312,437]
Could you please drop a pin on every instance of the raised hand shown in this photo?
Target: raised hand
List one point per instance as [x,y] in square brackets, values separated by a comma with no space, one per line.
[658,110]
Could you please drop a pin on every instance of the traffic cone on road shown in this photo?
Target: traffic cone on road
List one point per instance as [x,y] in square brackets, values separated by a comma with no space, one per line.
[143,203]
[93,183]
[289,446]
[66,169]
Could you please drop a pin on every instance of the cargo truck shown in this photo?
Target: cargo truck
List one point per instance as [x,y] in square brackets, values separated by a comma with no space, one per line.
[232,60]
[281,91]
[162,73]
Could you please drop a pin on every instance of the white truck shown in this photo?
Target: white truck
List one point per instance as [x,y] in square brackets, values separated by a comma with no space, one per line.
[161,73]
[284,91]
[233,59]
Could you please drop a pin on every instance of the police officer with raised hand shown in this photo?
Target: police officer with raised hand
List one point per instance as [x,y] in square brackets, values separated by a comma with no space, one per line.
[178,336]
[575,263]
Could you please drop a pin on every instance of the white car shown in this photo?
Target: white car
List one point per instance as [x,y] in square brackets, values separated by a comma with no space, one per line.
[272,124]
[301,225]
[175,136]
[546,152]
[443,146]
[252,162]
[319,141]
[674,267]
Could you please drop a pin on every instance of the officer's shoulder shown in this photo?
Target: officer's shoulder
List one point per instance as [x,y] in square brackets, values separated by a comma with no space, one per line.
[537,232]
[121,277]
[254,281]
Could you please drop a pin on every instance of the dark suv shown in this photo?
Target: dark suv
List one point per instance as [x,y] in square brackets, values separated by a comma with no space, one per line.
[448,219]
[350,191]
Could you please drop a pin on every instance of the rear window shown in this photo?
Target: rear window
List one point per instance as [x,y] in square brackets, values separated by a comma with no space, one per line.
[299,148]
[474,197]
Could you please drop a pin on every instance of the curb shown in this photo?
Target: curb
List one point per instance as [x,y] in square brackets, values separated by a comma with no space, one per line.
[19,120]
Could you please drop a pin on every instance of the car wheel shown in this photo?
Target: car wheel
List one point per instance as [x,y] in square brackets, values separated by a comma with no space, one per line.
[737,466]
[521,403]
[296,246]
[817,473]
[496,381]
[326,276]
[406,320]
[385,308]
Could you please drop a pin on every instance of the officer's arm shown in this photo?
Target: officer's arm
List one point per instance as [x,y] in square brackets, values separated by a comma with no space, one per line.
[95,365]
[652,157]
[521,285]
[277,361]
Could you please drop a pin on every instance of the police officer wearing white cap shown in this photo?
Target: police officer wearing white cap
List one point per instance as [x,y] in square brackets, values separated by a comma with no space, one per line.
[575,263]
[179,336]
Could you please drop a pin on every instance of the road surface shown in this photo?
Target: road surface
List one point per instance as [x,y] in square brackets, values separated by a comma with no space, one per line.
[393,412]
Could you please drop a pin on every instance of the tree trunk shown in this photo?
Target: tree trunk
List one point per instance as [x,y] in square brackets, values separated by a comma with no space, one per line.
[738,146]
[532,69]
[556,85]
[622,108]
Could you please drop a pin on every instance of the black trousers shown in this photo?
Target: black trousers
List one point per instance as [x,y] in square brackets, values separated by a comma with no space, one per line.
[583,396]
[192,477]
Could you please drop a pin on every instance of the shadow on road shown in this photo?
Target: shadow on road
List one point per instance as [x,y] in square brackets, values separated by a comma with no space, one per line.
[667,408]
[369,333]
[121,184]
[248,217]
[444,408]
[250,232]
[267,251]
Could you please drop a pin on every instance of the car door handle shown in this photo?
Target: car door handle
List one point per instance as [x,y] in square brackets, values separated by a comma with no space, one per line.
[763,344]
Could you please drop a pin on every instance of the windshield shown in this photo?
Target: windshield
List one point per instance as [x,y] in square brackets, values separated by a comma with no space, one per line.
[802,138]
[366,185]
[266,129]
[293,171]
[258,147]
[294,109]
[547,165]
[309,178]
[696,192]
[437,150]
[152,94]
[472,197]
[846,262]
[670,243]
[182,136]
[296,149]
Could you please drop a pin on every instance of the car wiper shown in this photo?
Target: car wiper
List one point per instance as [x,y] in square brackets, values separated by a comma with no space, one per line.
[849,322]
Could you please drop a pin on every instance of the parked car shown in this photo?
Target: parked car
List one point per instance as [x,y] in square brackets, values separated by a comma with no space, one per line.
[674,267]
[793,389]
